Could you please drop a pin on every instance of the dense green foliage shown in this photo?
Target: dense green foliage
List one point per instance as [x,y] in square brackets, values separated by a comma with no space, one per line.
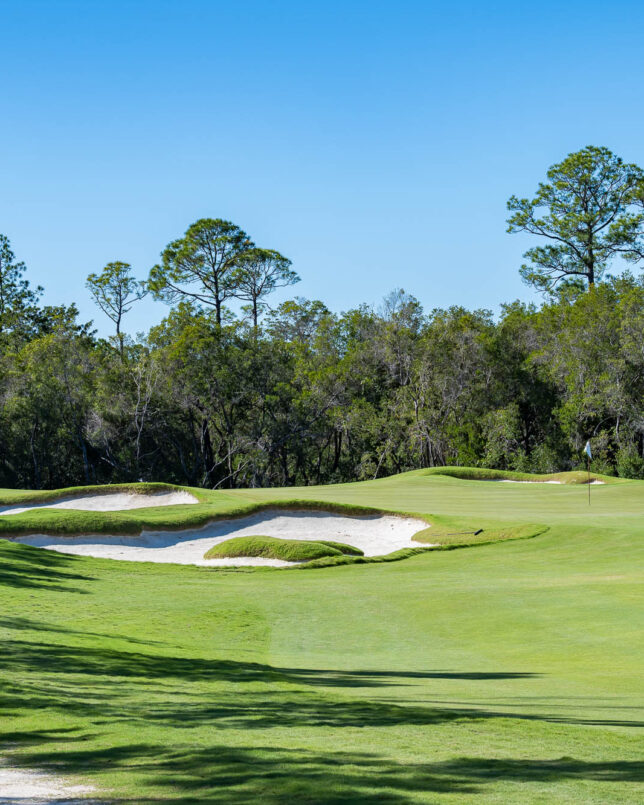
[223,397]
[115,290]
[289,550]
[312,397]
[505,673]
[589,212]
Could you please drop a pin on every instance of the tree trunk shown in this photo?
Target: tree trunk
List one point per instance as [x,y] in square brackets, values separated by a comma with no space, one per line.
[217,301]
[591,261]
[34,458]
[206,446]
[119,335]
[83,447]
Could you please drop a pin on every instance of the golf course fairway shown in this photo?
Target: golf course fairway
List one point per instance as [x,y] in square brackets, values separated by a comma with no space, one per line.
[507,671]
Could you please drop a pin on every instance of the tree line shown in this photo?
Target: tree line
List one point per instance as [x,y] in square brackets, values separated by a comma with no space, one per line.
[296,394]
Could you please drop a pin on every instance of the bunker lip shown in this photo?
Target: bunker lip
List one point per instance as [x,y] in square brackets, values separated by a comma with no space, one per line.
[514,481]
[376,534]
[106,502]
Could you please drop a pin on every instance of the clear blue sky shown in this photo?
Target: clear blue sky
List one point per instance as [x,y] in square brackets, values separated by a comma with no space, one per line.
[373,143]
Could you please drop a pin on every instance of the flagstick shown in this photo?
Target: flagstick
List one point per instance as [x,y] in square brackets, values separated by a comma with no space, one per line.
[588,459]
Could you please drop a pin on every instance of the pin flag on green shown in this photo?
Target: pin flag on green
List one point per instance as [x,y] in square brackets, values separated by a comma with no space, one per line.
[588,452]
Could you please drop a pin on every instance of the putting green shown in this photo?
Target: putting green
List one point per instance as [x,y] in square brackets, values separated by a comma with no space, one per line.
[504,672]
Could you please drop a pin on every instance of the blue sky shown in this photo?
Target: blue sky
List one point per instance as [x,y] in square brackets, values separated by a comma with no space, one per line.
[373,143]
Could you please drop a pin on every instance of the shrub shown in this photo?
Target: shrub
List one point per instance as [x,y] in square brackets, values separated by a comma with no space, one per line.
[629,463]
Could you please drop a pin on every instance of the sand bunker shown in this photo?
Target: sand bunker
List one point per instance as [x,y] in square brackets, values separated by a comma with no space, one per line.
[31,786]
[512,481]
[117,501]
[376,535]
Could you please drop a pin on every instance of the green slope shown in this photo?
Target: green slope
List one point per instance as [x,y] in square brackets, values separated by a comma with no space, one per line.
[507,672]
[290,550]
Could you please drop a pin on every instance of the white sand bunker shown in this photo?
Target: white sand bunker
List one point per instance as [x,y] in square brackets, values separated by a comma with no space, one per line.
[30,786]
[376,535]
[116,501]
[511,481]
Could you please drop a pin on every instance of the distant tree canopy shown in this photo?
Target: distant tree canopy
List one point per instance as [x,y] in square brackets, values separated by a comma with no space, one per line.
[115,291]
[258,273]
[297,394]
[589,211]
[17,300]
[216,261]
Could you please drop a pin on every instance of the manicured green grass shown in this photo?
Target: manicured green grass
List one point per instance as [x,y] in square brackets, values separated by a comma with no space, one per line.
[17,496]
[213,505]
[288,550]
[483,474]
[507,672]
[343,548]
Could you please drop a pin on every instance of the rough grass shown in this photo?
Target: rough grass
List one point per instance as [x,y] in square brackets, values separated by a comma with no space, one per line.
[483,474]
[288,550]
[348,550]
[335,561]
[17,496]
[215,506]
[457,532]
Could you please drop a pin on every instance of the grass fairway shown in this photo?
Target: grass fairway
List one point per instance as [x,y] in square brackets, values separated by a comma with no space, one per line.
[504,672]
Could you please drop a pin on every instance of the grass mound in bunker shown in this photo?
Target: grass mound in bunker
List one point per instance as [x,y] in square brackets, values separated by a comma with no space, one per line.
[289,550]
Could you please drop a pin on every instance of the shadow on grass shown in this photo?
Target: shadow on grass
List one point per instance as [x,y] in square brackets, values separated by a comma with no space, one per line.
[23,656]
[221,774]
[102,689]
[27,655]
[26,567]
[87,669]
[92,680]
[375,678]
[110,684]
[17,623]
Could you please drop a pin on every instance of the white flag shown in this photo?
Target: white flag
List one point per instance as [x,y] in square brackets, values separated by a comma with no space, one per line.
[587,450]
